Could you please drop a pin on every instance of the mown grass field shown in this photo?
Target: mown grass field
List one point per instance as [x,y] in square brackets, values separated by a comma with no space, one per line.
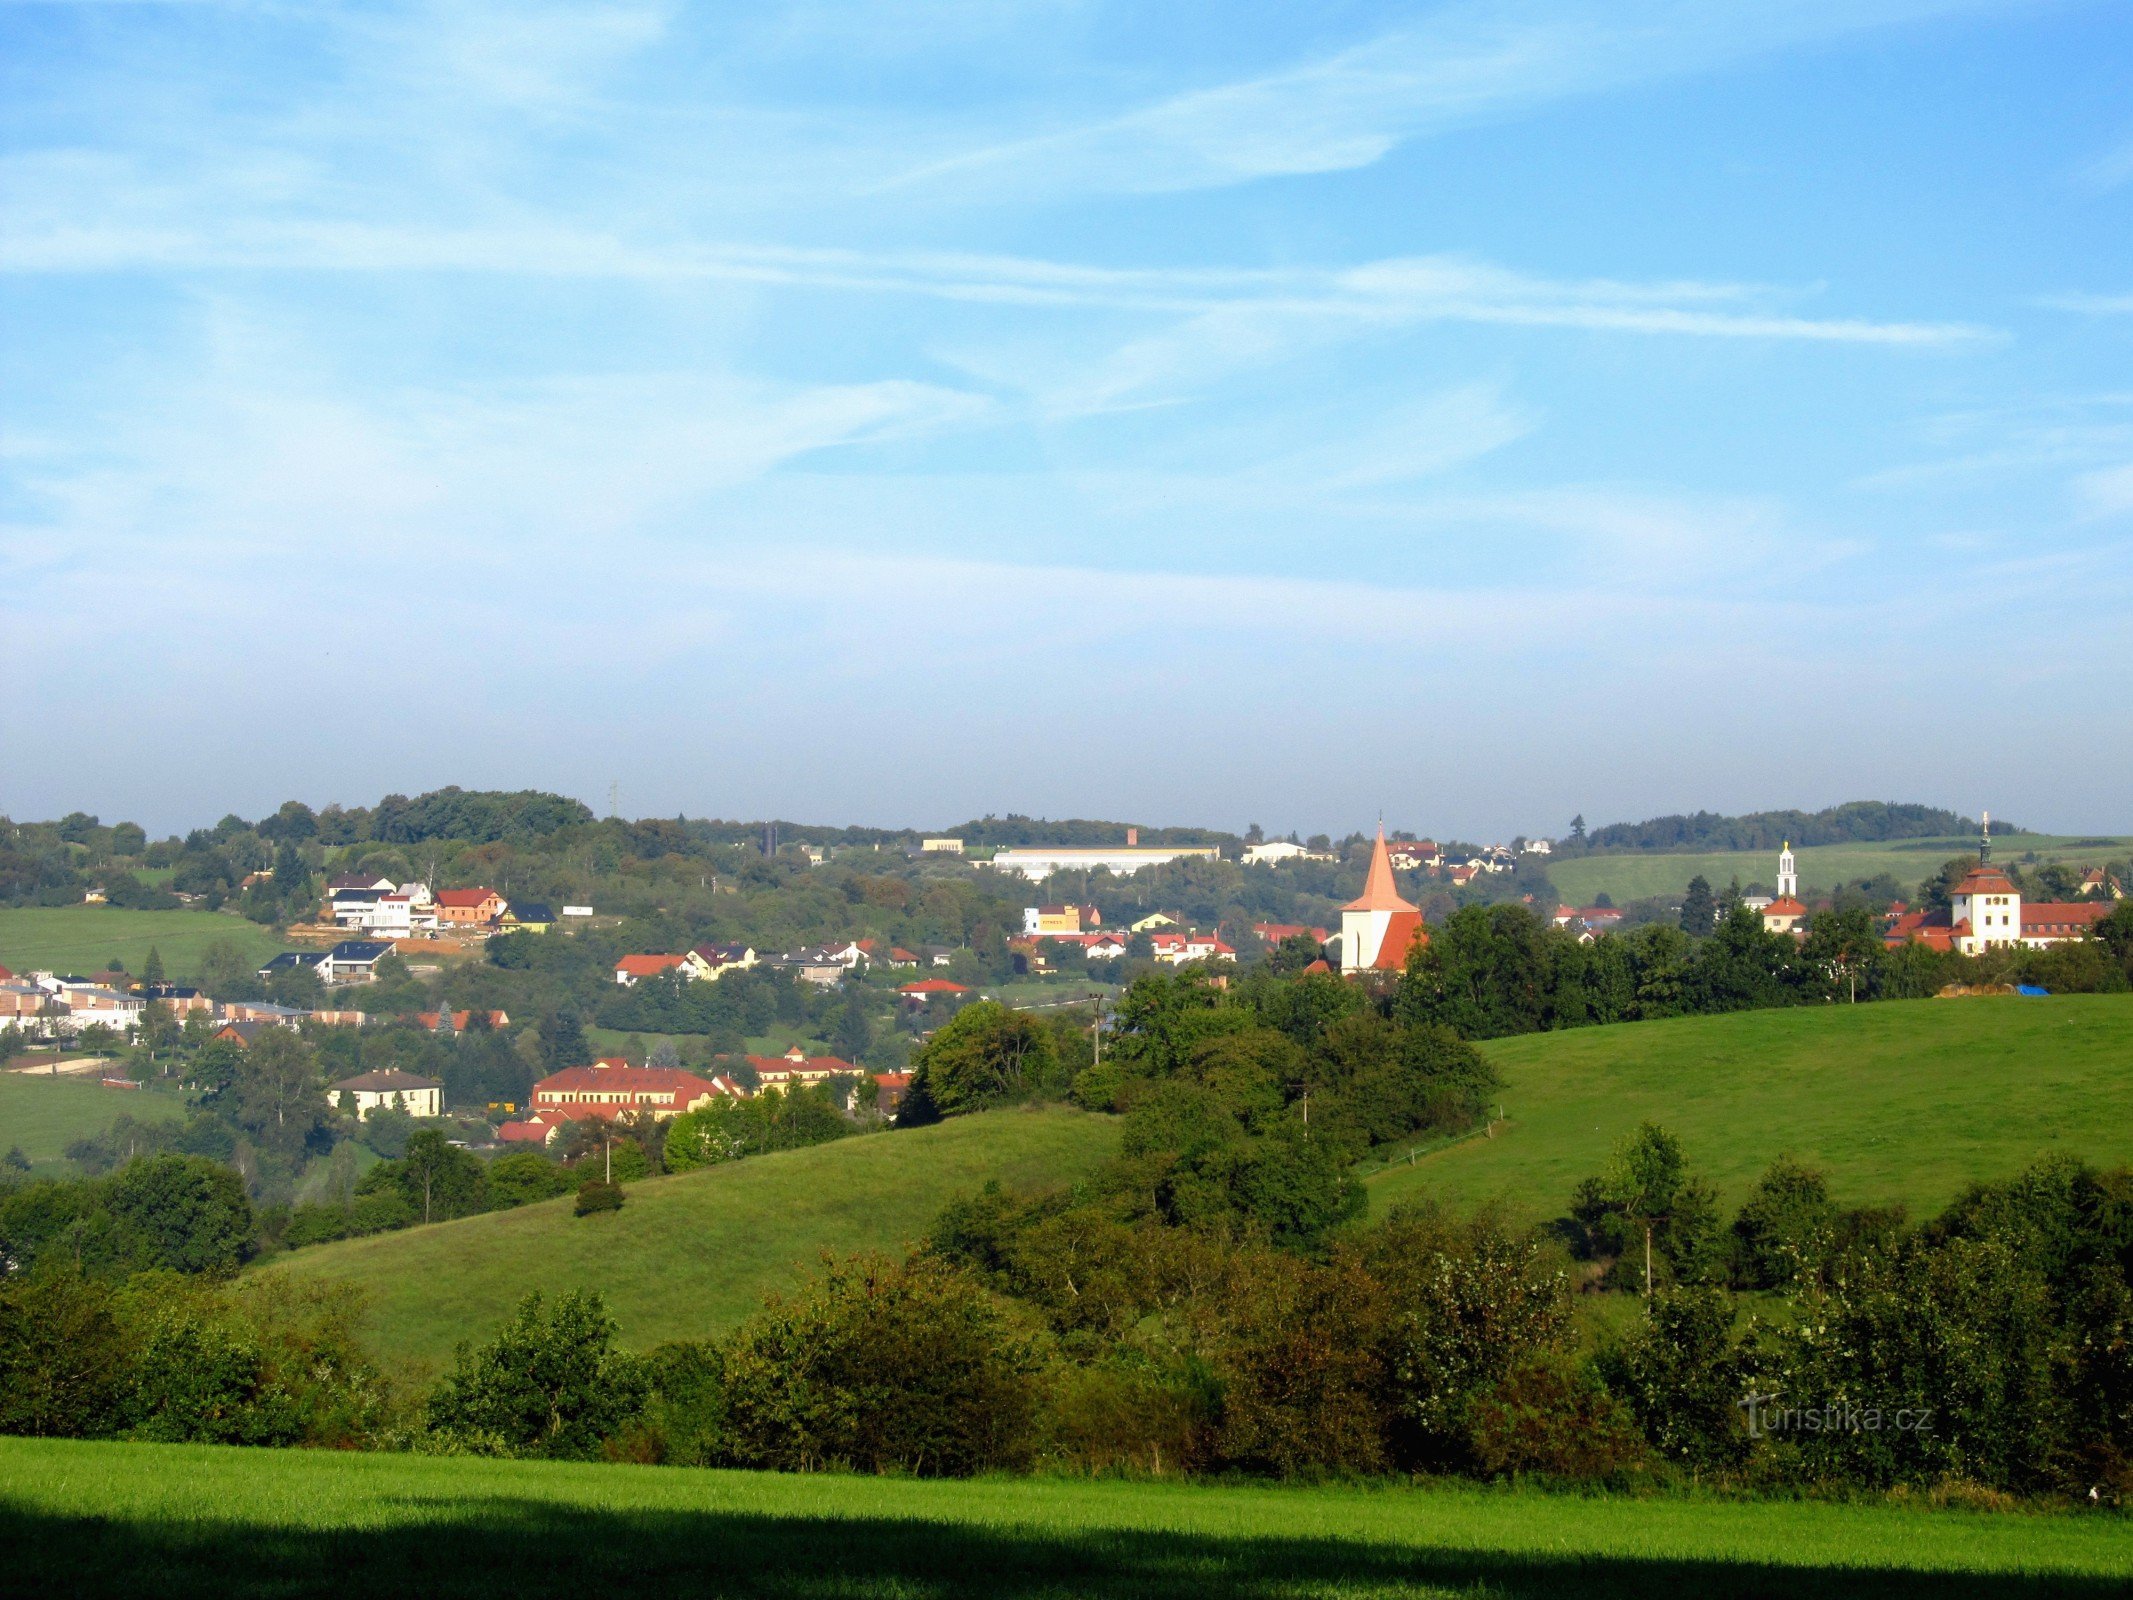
[1636,876]
[193,1520]
[693,1254]
[44,1115]
[83,938]
[1898,1101]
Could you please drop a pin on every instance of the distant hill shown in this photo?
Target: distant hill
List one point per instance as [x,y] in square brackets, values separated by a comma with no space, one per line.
[692,1255]
[1852,822]
[1899,1101]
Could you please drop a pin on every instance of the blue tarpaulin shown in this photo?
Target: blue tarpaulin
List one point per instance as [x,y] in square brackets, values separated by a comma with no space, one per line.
[2033,991]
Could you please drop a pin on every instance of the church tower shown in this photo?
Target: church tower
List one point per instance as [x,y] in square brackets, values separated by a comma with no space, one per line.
[1377,927]
[1788,875]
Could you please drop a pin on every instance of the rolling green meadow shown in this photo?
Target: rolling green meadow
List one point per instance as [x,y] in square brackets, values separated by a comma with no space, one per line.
[1636,875]
[83,938]
[1897,1101]
[694,1253]
[198,1520]
[45,1115]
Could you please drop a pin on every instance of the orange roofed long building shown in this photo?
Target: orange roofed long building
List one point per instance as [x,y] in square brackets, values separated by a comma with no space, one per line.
[608,1089]
[1378,927]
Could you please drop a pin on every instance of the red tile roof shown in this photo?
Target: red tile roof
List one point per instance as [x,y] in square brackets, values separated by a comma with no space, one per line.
[428,1019]
[1403,933]
[622,1088]
[647,966]
[934,986]
[2064,915]
[1984,879]
[464,897]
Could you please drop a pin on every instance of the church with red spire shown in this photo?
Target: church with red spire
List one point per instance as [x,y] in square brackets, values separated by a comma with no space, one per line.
[1378,927]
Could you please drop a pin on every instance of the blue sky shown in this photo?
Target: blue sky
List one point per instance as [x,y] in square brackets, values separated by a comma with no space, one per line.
[902,410]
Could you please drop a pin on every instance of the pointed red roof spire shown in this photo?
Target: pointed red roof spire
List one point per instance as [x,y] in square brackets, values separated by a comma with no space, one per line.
[1380,891]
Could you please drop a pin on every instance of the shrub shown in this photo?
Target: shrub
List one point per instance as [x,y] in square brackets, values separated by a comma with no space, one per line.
[597,1195]
[183,1213]
[1684,1377]
[203,1378]
[1786,1225]
[63,1355]
[1463,1300]
[1550,1415]
[986,1055]
[549,1384]
[1297,1363]
[885,1366]
[523,1177]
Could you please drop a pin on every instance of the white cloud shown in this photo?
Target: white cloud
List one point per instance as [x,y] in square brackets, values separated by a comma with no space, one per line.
[2108,493]
[1459,64]
[2109,170]
[2095,305]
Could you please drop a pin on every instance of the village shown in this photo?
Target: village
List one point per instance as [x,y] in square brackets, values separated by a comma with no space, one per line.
[364,920]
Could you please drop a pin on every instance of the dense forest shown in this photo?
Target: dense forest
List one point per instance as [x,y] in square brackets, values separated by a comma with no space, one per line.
[1856,821]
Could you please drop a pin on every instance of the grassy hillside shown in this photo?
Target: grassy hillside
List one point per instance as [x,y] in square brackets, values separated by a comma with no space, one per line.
[83,938]
[1901,1101]
[45,1115]
[1637,875]
[693,1254]
[180,1520]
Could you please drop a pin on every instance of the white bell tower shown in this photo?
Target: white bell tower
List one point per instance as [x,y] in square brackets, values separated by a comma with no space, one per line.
[1788,874]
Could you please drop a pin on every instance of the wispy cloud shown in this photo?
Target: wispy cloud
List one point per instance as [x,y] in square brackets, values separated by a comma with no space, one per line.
[2094,305]
[1460,64]
[2108,493]
[2109,170]
[1235,308]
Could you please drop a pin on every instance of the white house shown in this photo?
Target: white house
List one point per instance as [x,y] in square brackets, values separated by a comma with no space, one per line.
[369,1092]
[88,1007]
[400,914]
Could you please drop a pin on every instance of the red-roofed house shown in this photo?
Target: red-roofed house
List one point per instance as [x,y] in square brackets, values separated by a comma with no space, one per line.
[539,1128]
[1175,949]
[925,989]
[1410,855]
[889,1091]
[469,908]
[631,970]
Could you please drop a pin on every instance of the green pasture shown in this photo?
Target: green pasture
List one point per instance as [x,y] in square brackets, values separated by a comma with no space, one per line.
[83,938]
[1639,875]
[1897,1101]
[693,1254]
[197,1520]
[44,1115]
